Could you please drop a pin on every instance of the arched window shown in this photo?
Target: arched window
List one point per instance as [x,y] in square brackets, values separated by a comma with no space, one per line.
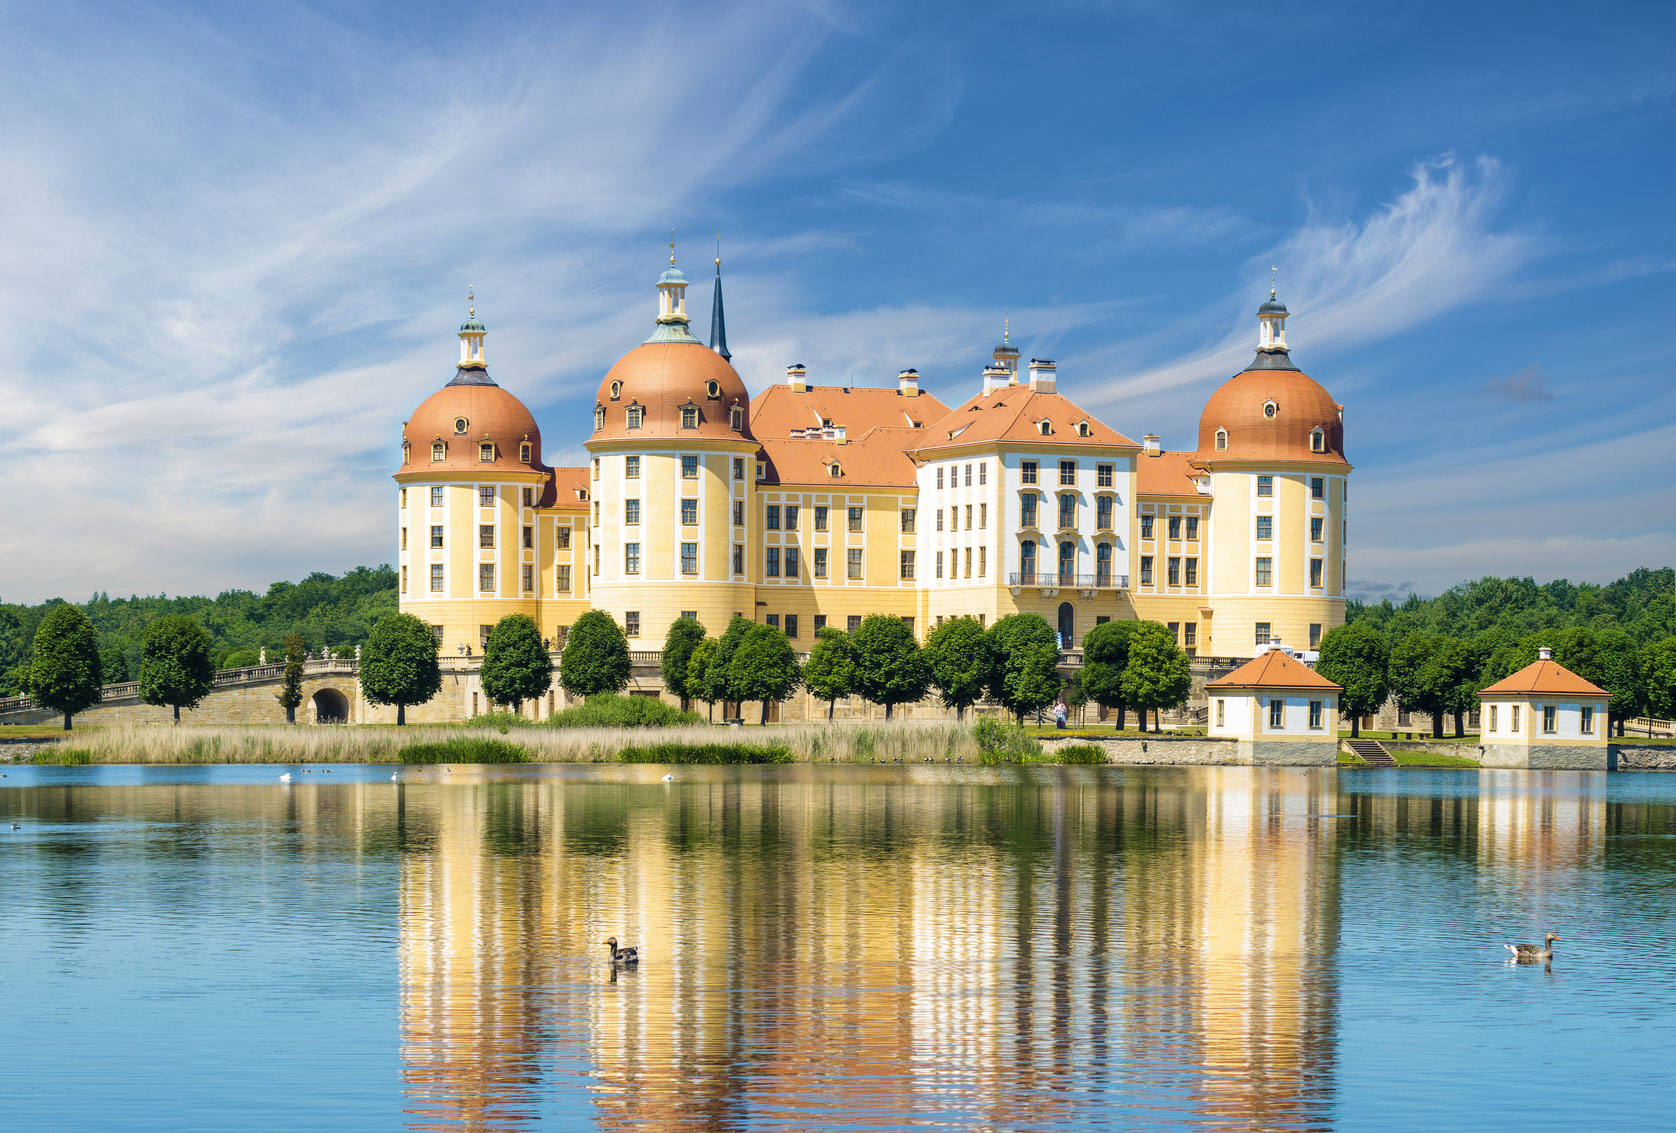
[736,418]
[1222,440]
[616,390]
[524,452]
[599,417]
[1067,563]
[1103,564]
[689,416]
[439,452]
[1318,441]
[712,389]
[1027,561]
[486,452]
[835,470]
[635,416]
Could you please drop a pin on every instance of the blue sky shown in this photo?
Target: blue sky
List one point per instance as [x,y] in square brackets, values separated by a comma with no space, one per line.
[237,241]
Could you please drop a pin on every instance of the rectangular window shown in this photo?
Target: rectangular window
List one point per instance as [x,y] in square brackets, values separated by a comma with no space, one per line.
[1027,472]
[1175,527]
[983,562]
[739,558]
[791,517]
[939,564]
[486,577]
[854,562]
[939,476]
[820,518]
[738,468]
[1192,576]
[1317,488]
[529,538]
[436,578]
[1265,485]
[1586,721]
[689,512]
[1265,527]
[791,625]
[1548,719]
[485,497]
[596,468]
[1173,571]
[483,634]
[1315,707]
[631,623]
[820,622]
[939,519]
[1315,635]
[1265,571]
[1175,630]
[773,621]
[1277,713]
[1493,717]
[529,578]
[1221,713]
[983,515]
[968,517]
[1146,527]
[631,511]
[1027,509]
[436,534]
[772,521]
[855,519]
[907,566]
[968,558]
[1514,724]
[631,467]
[596,558]
[689,467]
[852,622]
[907,521]
[404,538]
[485,535]
[1067,511]
[1316,529]
[1190,636]
[563,584]
[596,513]
[689,558]
[762,470]
[404,580]
[689,615]
[563,531]
[1104,475]
[1146,570]
[983,472]
[1315,572]
[791,562]
[820,562]
[436,497]
[1068,472]
[1192,527]
[631,558]
[1262,633]
[738,513]
[1103,512]
[968,475]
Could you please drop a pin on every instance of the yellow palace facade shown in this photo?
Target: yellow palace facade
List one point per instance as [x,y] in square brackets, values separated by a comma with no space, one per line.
[813,504]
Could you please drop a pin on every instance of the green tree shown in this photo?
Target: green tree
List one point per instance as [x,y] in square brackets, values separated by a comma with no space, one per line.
[698,668]
[718,674]
[1354,655]
[830,671]
[242,658]
[66,674]
[595,657]
[290,693]
[1620,673]
[175,664]
[960,663]
[1658,678]
[114,663]
[890,668]
[399,665]
[764,667]
[1419,684]
[1105,654]
[1158,675]
[1452,670]
[678,645]
[1025,676]
[516,664]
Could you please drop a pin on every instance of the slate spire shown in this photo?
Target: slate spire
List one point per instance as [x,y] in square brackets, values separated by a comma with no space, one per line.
[718,323]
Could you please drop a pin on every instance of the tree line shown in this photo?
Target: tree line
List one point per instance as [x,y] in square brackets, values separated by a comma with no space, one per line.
[1435,655]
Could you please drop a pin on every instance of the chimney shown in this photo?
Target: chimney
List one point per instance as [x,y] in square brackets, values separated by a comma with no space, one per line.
[1042,371]
[907,383]
[995,378]
[1544,654]
[1151,444]
[797,378]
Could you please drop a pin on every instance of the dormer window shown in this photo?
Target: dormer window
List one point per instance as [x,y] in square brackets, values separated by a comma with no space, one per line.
[636,414]
[486,452]
[524,452]
[1318,441]
[835,470]
[460,425]
[689,416]
[1083,430]
[1046,429]
[712,389]
[407,453]
[439,452]
[599,417]
[1222,440]
[616,390]
[1270,409]
[736,418]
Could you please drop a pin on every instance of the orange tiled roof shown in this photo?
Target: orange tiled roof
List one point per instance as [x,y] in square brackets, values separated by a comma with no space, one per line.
[1014,413]
[1546,678]
[877,458]
[1275,668]
[568,484]
[778,411]
[880,427]
[1167,474]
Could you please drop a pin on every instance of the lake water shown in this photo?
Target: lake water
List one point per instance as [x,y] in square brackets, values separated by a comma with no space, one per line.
[835,948]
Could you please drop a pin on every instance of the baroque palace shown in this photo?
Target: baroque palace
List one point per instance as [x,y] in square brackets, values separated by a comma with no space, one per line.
[815,504]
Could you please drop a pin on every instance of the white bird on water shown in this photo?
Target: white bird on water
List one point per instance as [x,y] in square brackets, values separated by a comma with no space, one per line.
[393,777]
[285,778]
[669,778]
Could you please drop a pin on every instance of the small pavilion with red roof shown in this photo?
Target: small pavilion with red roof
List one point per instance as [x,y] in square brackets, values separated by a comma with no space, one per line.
[1278,709]
[1546,717]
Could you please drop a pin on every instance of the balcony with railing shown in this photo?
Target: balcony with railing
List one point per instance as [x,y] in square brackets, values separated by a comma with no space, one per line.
[1051,580]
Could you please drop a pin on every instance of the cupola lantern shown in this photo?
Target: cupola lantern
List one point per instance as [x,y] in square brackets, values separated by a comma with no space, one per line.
[471,336]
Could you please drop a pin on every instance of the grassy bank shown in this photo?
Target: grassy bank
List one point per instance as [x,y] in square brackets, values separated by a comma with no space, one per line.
[1414,759]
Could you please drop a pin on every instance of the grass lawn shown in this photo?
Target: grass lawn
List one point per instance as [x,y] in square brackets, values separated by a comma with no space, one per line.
[48,731]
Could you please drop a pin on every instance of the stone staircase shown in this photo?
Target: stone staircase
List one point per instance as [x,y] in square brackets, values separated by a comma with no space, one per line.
[1371,752]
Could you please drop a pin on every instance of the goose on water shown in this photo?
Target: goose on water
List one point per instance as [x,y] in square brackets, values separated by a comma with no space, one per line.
[622,956]
[1530,953]
[285,778]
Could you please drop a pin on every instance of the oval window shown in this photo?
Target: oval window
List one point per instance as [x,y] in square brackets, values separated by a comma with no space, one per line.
[460,424]
[616,390]
[1270,409]
[713,388]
